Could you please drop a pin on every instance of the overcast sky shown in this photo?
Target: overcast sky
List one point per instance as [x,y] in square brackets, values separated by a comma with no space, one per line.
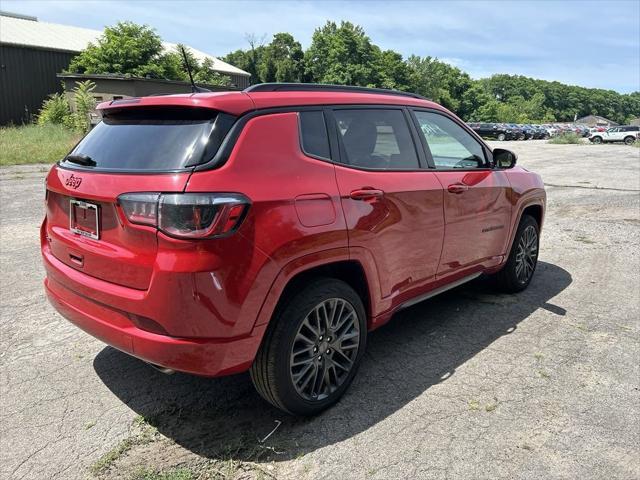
[589,43]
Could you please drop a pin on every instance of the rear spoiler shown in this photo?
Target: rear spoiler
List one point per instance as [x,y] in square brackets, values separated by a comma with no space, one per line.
[233,102]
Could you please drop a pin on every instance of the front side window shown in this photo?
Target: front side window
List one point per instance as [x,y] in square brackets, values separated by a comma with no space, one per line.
[376,138]
[451,145]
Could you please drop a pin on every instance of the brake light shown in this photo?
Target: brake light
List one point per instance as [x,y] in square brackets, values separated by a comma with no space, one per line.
[186,215]
[140,208]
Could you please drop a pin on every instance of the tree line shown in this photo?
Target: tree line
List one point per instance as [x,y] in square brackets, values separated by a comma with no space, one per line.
[342,53]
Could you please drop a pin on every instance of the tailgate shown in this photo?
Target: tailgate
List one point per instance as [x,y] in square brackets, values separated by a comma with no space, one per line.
[86,229]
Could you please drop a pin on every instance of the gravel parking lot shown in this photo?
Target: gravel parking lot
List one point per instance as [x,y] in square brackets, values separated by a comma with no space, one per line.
[471,384]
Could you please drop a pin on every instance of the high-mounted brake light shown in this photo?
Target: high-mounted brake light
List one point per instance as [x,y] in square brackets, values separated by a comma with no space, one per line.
[186,215]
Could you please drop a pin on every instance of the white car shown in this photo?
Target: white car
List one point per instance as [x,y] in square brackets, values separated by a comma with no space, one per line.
[627,134]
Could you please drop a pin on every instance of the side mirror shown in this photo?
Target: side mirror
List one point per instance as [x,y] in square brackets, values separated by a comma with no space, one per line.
[503,158]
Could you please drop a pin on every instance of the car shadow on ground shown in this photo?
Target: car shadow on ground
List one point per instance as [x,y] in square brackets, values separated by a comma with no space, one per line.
[422,346]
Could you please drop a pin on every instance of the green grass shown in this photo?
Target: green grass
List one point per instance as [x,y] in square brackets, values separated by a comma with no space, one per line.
[35,144]
[143,436]
[177,474]
[565,138]
[490,407]
[105,461]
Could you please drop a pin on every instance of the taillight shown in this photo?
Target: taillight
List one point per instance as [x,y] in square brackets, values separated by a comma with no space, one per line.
[140,208]
[186,215]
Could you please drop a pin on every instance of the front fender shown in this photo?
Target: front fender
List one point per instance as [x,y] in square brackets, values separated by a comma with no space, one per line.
[534,198]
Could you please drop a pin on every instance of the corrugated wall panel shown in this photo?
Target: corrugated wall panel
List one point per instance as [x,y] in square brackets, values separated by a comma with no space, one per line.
[240,81]
[27,77]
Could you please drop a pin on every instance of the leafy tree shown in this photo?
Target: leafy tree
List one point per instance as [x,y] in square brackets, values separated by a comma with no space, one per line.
[55,110]
[392,71]
[136,50]
[248,60]
[342,55]
[563,102]
[206,74]
[125,49]
[172,63]
[84,104]
[447,85]
[473,97]
[282,60]
[202,72]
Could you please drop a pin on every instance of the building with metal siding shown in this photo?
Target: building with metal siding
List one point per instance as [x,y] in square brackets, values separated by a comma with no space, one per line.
[27,77]
[32,53]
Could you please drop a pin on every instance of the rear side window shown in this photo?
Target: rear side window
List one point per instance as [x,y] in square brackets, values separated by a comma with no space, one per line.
[313,131]
[376,138]
[154,139]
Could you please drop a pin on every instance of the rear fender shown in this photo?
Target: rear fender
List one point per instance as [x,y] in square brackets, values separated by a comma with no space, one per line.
[308,262]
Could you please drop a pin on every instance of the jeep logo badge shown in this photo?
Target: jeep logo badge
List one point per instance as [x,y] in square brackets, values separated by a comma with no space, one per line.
[73,182]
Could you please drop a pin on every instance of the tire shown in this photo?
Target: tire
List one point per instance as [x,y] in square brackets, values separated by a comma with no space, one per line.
[629,140]
[521,137]
[300,325]
[502,137]
[517,273]
[597,140]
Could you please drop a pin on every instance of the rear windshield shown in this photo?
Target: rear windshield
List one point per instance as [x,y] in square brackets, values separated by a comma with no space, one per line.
[152,139]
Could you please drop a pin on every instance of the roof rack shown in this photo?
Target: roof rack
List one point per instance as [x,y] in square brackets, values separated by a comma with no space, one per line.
[325,87]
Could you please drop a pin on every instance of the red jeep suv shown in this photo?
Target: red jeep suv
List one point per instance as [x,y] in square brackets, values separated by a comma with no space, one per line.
[270,229]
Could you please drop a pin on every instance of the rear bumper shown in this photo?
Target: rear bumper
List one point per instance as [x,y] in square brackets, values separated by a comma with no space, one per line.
[201,356]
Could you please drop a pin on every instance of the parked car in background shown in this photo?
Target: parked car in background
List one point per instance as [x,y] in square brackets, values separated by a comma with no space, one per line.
[518,131]
[527,130]
[541,132]
[536,132]
[493,130]
[625,133]
[276,245]
[581,130]
[551,130]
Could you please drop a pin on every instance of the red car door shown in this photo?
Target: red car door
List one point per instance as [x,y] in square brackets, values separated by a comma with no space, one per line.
[392,205]
[477,207]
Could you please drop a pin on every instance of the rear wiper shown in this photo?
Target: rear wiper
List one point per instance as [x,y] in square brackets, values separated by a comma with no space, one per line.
[84,160]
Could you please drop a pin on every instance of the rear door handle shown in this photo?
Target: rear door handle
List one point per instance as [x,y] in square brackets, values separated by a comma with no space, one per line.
[366,194]
[458,188]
